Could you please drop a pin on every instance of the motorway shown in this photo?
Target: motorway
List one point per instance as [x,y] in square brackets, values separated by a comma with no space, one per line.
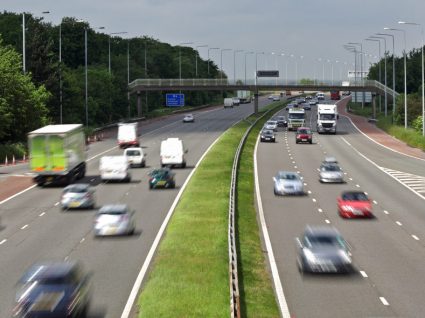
[388,251]
[33,227]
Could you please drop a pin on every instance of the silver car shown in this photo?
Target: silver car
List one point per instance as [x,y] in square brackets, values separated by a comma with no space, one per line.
[287,182]
[322,249]
[114,219]
[78,195]
[188,118]
[331,173]
[271,125]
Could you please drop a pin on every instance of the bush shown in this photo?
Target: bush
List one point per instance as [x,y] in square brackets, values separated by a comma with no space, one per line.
[417,124]
[18,150]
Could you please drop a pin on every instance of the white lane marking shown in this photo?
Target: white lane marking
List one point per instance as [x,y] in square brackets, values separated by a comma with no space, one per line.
[293,161]
[3,241]
[363,273]
[314,200]
[16,194]
[345,173]
[57,203]
[66,258]
[320,210]
[358,185]
[378,142]
[305,184]
[327,221]
[384,301]
[82,240]
[374,202]
[283,306]
[42,213]
[24,227]
[398,223]
[367,194]
[384,170]
[309,192]
[415,237]
[351,179]
[386,212]
[142,273]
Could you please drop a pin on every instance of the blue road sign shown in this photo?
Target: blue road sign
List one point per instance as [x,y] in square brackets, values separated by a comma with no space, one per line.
[174,100]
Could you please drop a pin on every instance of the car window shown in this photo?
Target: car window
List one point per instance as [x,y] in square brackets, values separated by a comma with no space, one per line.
[133,153]
[354,196]
[323,240]
[75,190]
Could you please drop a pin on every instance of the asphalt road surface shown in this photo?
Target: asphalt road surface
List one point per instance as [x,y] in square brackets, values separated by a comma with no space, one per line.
[33,227]
[388,251]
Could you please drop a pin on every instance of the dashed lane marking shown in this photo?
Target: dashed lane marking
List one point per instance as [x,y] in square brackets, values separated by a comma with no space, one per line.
[384,301]
[363,273]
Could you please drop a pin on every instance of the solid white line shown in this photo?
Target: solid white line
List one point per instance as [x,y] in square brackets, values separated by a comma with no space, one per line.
[24,227]
[3,241]
[41,214]
[384,301]
[379,143]
[16,194]
[283,306]
[415,237]
[398,223]
[363,273]
[135,290]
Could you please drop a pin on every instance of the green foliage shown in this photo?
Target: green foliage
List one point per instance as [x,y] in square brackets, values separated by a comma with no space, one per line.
[17,149]
[22,104]
[417,124]
[306,81]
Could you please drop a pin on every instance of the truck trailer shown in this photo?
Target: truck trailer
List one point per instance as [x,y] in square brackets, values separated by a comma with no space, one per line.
[127,135]
[57,154]
[244,97]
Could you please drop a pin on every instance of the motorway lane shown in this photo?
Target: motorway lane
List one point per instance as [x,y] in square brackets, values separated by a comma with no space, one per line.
[384,250]
[36,229]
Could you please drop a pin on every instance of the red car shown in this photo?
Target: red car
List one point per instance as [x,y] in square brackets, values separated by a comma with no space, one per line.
[354,204]
[304,134]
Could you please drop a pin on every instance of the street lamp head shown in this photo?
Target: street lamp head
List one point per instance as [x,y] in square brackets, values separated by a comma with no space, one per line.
[45,12]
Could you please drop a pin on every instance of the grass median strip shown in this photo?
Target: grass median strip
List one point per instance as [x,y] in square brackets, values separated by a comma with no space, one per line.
[190,277]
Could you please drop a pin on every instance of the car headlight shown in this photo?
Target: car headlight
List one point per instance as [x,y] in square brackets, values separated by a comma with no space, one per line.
[345,257]
[310,256]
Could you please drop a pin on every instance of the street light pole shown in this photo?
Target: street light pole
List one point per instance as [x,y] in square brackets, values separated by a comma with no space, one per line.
[379,64]
[392,36]
[246,53]
[385,68]
[256,65]
[180,58]
[23,44]
[109,48]
[405,74]
[361,67]
[422,53]
[196,58]
[234,63]
[221,62]
[210,49]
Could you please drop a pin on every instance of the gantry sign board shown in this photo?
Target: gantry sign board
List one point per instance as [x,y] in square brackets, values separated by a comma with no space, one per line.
[268,73]
[174,100]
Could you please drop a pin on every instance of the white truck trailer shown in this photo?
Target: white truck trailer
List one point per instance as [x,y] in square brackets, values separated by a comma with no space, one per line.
[327,116]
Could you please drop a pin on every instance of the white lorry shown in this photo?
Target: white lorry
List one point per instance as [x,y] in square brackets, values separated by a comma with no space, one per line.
[115,168]
[172,153]
[296,118]
[327,116]
[228,102]
[244,97]
[127,135]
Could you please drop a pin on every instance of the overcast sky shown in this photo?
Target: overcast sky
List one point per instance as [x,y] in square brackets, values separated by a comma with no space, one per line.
[310,28]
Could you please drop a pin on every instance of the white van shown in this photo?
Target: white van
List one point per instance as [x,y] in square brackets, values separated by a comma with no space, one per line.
[320,96]
[127,135]
[228,102]
[135,156]
[172,153]
[114,168]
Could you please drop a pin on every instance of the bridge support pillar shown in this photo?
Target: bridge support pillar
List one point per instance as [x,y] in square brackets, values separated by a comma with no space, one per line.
[139,104]
[374,106]
[256,101]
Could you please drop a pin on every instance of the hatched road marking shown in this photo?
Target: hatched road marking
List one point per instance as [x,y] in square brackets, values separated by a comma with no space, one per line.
[413,182]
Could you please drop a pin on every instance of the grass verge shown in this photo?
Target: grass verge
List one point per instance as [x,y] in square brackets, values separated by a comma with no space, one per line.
[190,277]
[410,136]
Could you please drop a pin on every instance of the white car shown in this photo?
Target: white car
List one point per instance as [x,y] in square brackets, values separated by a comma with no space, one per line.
[188,118]
[276,98]
[114,219]
[287,182]
[236,101]
[271,125]
[135,156]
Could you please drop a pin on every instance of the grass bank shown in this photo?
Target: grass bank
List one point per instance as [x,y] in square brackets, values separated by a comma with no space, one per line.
[410,136]
[190,277]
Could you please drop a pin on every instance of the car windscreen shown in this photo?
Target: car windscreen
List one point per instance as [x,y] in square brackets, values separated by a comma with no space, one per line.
[331,168]
[304,131]
[296,116]
[327,116]
[287,176]
[133,153]
[354,196]
[75,190]
[323,240]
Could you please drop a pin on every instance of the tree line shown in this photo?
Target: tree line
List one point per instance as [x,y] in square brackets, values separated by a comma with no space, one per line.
[31,100]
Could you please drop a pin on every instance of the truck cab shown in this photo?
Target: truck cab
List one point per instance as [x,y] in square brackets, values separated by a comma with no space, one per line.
[296,118]
[327,115]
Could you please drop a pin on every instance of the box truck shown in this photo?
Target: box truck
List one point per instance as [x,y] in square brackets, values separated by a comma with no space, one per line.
[327,115]
[244,97]
[57,153]
[127,135]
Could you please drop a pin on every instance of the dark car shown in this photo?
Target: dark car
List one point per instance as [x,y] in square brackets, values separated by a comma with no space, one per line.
[57,289]
[322,249]
[306,106]
[161,178]
[304,134]
[267,135]
[281,121]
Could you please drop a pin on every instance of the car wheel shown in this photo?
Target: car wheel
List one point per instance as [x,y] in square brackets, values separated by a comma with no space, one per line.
[184,165]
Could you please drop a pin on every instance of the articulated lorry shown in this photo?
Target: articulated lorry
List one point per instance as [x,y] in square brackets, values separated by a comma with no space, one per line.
[327,115]
[57,154]
[296,118]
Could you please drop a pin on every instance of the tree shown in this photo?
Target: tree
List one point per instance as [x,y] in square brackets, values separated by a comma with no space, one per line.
[22,104]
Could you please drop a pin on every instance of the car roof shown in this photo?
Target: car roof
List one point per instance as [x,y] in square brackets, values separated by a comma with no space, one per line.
[330,159]
[77,186]
[108,208]
[48,270]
